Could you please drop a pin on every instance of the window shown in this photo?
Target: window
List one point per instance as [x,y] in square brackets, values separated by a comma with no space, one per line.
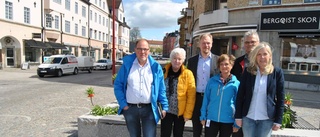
[57,1]
[271,2]
[107,38]
[311,1]
[95,2]
[9,10]
[91,33]
[104,5]
[48,20]
[67,4]
[83,31]
[99,3]
[103,21]
[26,15]
[102,36]
[84,11]
[95,17]
[95,34]
[67,26]
[56,22]
[99,19]
[99,35]
[76,28]
[76,7]
[90,14]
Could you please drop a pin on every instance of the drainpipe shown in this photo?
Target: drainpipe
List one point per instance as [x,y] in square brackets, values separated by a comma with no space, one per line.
[89,29]
[42,30]
[61,31]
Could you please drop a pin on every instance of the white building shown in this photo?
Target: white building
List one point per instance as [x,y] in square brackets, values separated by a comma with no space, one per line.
[40,28]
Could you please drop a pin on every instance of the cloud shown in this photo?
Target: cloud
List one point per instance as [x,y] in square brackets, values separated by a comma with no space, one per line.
[147,14]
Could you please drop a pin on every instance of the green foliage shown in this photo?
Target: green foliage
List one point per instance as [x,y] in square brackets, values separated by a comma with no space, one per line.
[102,111]
[289,116]
[90,90]
[114,76]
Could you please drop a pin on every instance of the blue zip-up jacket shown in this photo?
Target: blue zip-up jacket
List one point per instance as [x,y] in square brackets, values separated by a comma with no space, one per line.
[219,100]
[158,89]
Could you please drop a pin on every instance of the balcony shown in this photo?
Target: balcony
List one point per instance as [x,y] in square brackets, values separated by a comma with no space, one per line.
[214,17]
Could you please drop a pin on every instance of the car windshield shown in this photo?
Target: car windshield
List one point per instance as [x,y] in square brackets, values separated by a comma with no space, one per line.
[53,60]
[102,61]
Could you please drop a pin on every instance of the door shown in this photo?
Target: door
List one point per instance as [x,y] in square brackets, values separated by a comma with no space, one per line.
[10,57]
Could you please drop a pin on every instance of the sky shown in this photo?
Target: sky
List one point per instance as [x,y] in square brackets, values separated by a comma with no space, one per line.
[154,18]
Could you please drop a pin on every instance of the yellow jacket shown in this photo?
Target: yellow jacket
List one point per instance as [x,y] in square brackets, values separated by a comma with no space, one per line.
[186,91]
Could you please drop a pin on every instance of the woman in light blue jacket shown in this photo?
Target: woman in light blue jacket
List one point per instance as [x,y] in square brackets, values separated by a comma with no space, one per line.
[218,107]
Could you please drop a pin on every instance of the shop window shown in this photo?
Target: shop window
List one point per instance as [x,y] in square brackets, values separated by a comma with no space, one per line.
[271,2]
[311,1]
[301,55]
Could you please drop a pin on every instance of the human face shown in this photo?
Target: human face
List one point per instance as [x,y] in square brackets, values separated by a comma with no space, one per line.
[225,67]
[250,42]
[142,51]
[176,62]
[205,45]
[263,57]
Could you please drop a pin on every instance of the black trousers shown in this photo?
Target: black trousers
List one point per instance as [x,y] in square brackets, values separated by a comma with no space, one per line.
[178,125]
[224,129]
[196,124]
[238,134]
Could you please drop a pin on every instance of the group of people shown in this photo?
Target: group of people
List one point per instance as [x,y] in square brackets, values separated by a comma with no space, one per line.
[225,96]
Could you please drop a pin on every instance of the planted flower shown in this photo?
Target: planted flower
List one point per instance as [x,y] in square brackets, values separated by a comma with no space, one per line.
[90,93]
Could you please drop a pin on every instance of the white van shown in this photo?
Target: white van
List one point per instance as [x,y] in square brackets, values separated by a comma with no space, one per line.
[58,65]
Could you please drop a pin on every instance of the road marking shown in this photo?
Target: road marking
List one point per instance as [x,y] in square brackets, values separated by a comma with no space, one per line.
[23,116]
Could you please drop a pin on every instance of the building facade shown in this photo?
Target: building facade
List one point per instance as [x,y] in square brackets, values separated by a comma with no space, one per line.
[169,43]
[290,26]
[37,29]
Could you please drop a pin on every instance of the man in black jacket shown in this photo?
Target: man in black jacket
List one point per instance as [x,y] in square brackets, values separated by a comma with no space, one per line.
[203,66]
[251,39]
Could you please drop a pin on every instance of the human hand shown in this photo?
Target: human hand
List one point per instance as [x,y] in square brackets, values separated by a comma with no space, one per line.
[235,129]
[239,122]
[275,127]
[186,119]
[164,113]
[203,122]
[126,108]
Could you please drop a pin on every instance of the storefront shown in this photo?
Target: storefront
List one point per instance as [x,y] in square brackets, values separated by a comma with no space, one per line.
[299,34]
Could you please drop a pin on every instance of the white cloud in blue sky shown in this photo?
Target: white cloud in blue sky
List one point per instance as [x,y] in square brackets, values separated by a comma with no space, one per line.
[155,18]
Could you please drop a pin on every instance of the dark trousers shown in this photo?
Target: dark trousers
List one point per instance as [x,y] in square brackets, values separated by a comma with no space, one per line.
[166,125]
[196,124]
[224,129]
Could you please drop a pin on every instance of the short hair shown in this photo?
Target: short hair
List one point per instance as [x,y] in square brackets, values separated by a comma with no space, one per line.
[206,35]
[224,57]
[253,59]
[139,40]
[179,51]
[252,33]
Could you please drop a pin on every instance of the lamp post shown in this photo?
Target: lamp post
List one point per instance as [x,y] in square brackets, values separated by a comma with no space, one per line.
[113,39]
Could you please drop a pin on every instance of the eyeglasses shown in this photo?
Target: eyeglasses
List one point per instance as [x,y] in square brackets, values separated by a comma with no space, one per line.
[250,42]
[142,49]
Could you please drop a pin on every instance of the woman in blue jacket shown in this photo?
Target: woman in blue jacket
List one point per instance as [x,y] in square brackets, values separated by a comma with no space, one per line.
[218,107]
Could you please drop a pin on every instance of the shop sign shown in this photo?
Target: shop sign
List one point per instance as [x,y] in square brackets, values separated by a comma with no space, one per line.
[297,20]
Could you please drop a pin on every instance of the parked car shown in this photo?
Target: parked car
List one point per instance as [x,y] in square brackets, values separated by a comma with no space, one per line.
[103,64]
[58,65]
[119,61]
[85,63]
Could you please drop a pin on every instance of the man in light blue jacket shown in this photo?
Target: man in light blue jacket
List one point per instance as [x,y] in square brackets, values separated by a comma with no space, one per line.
[138,87]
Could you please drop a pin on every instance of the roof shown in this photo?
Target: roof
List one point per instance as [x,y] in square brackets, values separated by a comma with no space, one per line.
[155,42]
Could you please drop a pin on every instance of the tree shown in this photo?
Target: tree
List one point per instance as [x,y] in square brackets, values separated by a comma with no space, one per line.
[135,34]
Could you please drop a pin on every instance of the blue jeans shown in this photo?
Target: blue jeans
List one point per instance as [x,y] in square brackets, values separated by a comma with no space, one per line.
[140,117]
[256,128]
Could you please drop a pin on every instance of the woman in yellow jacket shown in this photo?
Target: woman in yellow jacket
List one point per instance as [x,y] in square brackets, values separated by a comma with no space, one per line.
[181,92]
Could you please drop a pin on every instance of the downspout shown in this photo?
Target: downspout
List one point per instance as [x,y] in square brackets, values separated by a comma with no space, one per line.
[89,29]
[61,31]
[42,30]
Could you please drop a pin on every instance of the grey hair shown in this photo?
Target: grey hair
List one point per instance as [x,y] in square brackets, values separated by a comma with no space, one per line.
[252,33]
[179,51]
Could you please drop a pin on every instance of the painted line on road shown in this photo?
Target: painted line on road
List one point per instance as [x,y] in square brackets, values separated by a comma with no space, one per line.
[306,101]
[23,116]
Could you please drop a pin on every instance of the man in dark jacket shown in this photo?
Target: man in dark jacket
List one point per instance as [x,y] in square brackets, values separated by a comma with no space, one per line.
[203,66]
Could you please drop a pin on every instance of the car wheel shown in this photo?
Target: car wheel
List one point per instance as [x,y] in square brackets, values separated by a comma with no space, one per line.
[41,76]
[76,71]
[59,74]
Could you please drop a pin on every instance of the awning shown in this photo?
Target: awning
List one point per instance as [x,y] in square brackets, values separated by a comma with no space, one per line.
[34,44]
[54,45]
